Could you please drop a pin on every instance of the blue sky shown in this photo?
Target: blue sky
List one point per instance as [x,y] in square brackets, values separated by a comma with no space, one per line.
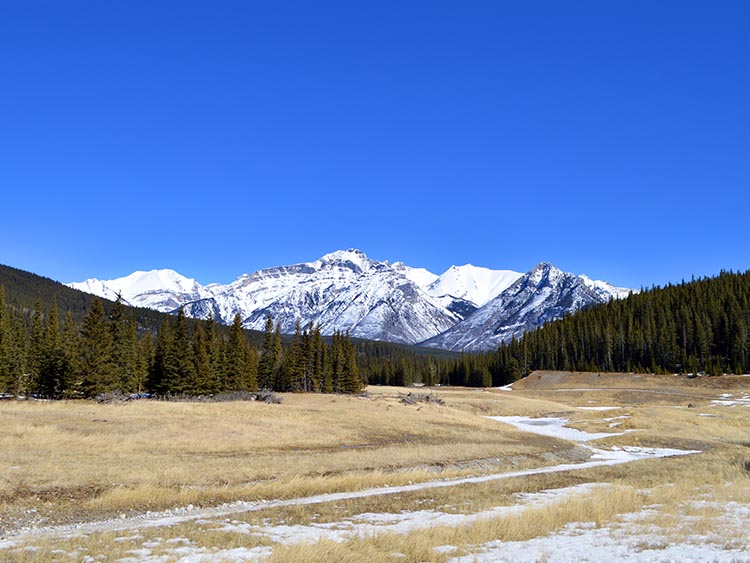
[217,138]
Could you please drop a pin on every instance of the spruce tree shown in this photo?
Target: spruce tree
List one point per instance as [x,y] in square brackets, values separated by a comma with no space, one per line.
[53,367]
[241,361]
[122,346]
[72,351]
[201,362]
[6,335]
[164,364]
[268,357]
[183,378]
[97,368]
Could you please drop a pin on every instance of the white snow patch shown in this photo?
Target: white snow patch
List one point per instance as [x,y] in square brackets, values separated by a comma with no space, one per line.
[626,540]
[369,524]
[554,427]
[598,408]
[731,400]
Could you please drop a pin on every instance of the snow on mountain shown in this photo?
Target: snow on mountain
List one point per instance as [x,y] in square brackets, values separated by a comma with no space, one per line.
[472,283]
[467,307]
[543,294]
[163,290]
[344,290]
[420,276]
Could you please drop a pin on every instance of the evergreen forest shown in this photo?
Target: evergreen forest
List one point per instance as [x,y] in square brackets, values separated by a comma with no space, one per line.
[696,327]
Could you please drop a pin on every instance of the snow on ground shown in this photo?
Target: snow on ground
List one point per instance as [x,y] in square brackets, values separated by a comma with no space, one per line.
[629,540]
[554,427]
[598,408]
[369,524]
[731,400]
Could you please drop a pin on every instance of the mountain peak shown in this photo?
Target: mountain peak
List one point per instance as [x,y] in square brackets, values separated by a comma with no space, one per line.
[472,283]
[349,256]
[543,266]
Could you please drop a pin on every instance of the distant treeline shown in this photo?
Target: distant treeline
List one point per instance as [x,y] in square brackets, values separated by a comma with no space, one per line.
[701,326]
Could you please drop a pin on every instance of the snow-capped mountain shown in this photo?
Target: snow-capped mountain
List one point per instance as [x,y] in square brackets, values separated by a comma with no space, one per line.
[467,307]
[163,290]
[543,294]
[343,290]
[472,283]
[464,289]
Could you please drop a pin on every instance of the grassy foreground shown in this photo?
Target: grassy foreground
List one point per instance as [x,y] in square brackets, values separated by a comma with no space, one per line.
[79,462]
[71,461]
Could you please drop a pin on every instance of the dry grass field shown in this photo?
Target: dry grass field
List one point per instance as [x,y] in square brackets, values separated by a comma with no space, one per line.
[332,478]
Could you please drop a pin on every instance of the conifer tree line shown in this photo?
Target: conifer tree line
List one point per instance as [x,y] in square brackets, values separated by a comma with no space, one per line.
[45,356]
[702,326]
[389,364]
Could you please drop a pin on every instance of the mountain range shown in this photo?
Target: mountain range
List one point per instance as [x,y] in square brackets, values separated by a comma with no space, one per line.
[465,308]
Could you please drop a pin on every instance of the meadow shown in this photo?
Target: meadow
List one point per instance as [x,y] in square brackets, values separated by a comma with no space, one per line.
[378,478]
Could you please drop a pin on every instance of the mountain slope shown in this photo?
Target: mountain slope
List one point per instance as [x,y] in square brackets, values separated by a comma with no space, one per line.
[545,293]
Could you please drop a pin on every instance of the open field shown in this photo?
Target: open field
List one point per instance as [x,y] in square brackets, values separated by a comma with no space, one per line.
[660,468]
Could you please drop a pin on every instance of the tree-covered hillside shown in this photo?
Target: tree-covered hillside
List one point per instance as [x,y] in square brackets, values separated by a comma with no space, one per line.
[702,326]
[24,289]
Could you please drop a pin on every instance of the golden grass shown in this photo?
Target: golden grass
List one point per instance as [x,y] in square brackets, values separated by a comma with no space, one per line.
[90,460]
[101,459]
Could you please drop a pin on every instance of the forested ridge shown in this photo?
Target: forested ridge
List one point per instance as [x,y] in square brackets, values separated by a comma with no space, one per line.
[701,326]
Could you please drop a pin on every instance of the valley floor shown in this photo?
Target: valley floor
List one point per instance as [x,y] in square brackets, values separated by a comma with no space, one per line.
[558,467]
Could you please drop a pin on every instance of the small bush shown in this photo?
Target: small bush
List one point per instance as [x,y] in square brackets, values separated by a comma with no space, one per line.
[268,396]
[414,398]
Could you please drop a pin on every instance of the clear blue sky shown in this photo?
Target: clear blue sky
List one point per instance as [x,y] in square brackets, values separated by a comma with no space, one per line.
[217,138]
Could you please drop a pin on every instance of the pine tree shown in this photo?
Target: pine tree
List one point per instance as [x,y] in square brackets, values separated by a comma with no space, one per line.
[315,357]
[295,361]
[183,378]
[6,335]
[122,346]
[201,362]
[268,357]
[145,351]
[53,367]
[164,364]
[97,369]
[241,361]
[72,350]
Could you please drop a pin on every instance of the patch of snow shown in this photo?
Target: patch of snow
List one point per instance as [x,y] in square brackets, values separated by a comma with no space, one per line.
[369,524]
[625,540]
[599,408]
[554,427]
[738,402]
